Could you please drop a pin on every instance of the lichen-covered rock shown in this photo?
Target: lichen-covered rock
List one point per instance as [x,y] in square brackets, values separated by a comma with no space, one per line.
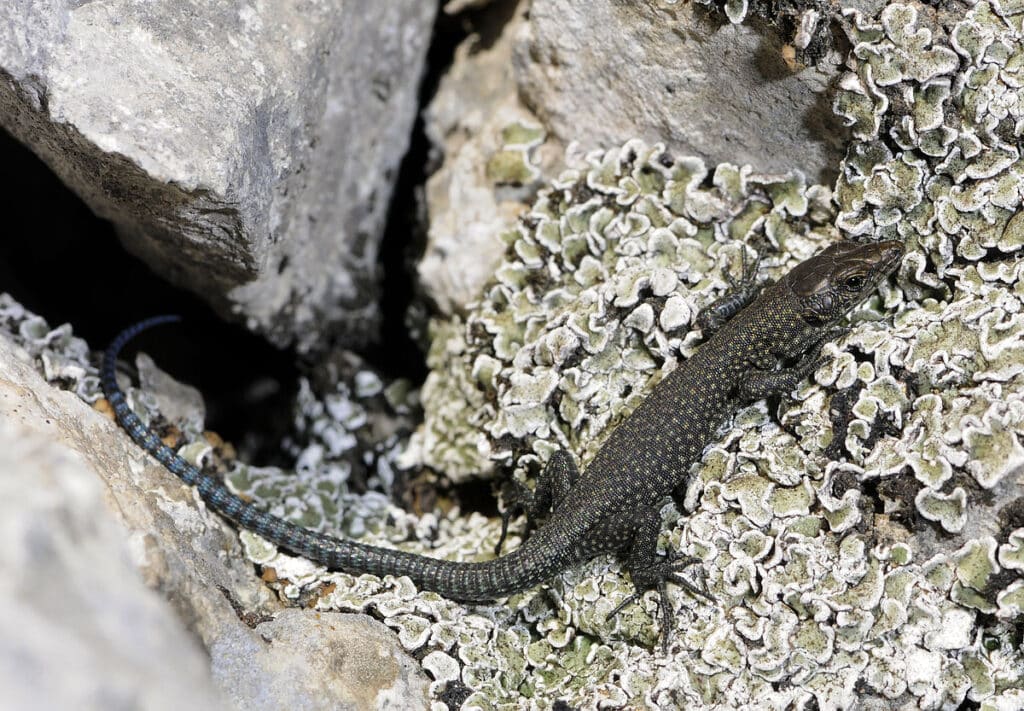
[886,571]
[862,536]
[245,151]
[597,74]
[349,428]
[806,25]
[938,116]
[597,295]
[601,72]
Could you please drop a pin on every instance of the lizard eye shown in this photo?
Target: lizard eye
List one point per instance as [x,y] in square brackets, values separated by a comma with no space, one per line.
[854,282]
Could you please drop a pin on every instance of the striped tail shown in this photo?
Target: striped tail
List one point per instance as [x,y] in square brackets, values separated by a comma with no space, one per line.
[529,565]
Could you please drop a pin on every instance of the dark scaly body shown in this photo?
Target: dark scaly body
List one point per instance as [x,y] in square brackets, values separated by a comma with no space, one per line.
[614,506]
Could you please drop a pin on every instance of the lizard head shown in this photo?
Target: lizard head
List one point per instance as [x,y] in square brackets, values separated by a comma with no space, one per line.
[839,277]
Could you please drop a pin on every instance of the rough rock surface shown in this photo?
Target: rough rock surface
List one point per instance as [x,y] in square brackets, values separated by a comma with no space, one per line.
[327,661]
[190,556]
[244,151]
[80,629]
[468,203]
[602,72]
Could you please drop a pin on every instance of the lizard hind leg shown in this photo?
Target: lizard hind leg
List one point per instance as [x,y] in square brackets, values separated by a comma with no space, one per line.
[651,571]
[553,484]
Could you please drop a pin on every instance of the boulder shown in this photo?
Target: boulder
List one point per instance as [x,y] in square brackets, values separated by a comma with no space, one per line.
[246,152]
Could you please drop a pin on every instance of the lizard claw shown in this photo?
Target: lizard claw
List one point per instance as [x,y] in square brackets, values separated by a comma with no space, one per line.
[748,270]
[506,516]
[665,611]
[618,608]
[666,570]
[519,499]
[742,290]
[697,591]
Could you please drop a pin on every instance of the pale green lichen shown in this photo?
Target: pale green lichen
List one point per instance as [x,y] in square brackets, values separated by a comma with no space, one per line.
[948,510]
[1011,553]
[514,163]
[345,440]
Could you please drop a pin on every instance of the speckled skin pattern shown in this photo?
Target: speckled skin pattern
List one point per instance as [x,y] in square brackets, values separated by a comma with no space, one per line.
[614,507]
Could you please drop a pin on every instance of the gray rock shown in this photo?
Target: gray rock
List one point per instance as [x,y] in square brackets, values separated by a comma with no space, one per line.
[245,152]
[80,628]
[602,72]
[329,661]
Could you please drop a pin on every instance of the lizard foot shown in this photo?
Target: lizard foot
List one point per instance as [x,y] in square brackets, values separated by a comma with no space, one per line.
[518,499]
[741,291]
[664,570]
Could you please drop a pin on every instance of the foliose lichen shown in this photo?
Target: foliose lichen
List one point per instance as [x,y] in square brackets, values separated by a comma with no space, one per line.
[892,570]
[937,119]
[349,426]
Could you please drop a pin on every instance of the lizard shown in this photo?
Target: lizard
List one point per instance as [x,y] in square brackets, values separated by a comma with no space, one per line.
[763,340]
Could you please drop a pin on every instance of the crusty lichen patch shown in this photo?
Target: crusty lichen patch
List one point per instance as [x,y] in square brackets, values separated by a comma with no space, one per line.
[936,162]
[884,565]
[349,427]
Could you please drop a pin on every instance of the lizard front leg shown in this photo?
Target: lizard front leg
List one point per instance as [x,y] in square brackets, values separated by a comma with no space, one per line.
[741,292]
[759,384]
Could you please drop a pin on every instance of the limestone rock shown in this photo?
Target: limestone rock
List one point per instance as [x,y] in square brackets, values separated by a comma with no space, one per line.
[605,71]
[245,152]
[320,661]
[80,628]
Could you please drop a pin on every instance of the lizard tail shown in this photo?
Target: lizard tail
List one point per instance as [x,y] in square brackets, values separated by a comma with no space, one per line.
[523,568]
